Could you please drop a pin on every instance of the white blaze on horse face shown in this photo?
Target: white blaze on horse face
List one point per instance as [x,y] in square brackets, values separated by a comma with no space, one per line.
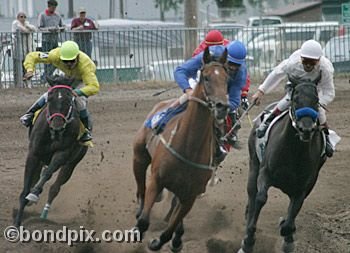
[59,95]
[216,72]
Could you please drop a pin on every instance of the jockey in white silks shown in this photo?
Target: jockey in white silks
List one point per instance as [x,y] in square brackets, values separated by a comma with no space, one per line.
[308,64]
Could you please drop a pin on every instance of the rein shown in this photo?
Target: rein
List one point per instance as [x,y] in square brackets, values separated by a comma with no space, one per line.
[183,159]
[168,146]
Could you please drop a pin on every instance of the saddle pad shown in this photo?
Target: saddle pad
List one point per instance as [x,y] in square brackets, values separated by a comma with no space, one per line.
[36,114]
[161,118]
[260,143]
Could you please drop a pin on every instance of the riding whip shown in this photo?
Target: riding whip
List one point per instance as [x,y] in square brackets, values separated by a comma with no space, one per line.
[161,92]
[239,120]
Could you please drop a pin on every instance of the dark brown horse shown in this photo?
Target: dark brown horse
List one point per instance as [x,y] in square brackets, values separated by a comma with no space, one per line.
[181,157]
[53,144]
[291,162]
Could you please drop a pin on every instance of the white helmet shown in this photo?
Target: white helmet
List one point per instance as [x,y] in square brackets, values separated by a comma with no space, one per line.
[311,49]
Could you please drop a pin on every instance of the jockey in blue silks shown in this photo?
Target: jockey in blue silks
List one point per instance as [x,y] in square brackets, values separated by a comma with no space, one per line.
[236,69]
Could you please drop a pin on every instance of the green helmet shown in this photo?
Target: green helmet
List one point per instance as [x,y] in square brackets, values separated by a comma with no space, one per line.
[69,50]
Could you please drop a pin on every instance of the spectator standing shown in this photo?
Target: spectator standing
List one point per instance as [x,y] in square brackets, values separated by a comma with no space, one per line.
[80,25]
[23,43]
[50,23]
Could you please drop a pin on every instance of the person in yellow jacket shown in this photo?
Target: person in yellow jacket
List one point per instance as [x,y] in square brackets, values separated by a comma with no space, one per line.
[74,63]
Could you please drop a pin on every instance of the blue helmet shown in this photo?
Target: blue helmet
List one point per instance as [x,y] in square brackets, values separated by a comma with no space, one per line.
[216,51]
[236,52]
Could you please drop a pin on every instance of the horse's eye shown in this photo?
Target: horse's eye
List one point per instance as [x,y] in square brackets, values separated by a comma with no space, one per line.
[206,79]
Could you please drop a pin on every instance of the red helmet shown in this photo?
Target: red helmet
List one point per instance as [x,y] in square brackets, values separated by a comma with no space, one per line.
[214,37]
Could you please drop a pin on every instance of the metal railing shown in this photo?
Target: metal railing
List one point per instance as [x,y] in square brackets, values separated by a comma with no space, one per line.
[131,55]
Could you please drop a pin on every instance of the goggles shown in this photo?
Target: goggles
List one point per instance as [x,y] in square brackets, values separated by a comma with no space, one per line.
[308,61]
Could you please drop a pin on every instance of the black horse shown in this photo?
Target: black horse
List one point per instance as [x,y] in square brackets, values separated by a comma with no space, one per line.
[293,157]
[53,144]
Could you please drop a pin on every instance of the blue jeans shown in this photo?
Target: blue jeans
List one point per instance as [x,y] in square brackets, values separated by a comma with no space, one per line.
[48,68]
[85,45]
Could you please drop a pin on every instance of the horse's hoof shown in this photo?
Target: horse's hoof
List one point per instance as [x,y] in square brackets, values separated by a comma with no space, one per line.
[175,249]
[214,181]
[136,232]
[288,247]
[138,213]
[202,195]
[241,251]
[155,245]
[281,220]
[32,198]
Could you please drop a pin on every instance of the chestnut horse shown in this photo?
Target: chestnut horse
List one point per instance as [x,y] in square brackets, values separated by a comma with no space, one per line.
[181,156]
[53,145]
[293,157]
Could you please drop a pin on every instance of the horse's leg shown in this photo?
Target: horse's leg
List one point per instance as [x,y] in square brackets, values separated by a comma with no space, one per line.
[176,243]
[46,174]
[252,188]
[32,165]
[287,226]
[254,212]
[172,207]
[182,208]
[140,163]
[64,175]
[152,192]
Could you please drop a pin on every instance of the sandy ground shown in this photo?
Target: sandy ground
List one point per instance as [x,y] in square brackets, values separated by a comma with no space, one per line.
[101,193]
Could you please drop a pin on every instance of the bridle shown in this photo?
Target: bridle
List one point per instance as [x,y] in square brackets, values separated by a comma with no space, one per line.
[212,105]
[66,117]
[297,114]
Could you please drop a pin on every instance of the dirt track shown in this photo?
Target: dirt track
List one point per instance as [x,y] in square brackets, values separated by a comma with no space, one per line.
[101,193]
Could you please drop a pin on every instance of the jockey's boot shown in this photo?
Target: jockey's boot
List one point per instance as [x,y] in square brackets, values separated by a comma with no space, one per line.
[220,154]
[232,138]
[329,147]
[261,130]
[27,118]
[88,128]
[220,150]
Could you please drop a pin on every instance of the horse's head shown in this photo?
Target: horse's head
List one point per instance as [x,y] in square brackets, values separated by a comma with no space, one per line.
[213,84]
[304,105]
[60,103]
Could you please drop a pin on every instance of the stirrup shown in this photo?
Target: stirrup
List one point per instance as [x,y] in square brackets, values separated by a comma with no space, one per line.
[26,119]
[232,139]
[86,137]
[261,130]
[220,156]
[329,149]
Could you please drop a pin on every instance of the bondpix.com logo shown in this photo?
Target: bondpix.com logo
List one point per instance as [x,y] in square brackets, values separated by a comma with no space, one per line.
[70,236]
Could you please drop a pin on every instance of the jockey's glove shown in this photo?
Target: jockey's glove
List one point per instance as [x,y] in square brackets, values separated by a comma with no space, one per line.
[79,92]
[28,75]
[244,103]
